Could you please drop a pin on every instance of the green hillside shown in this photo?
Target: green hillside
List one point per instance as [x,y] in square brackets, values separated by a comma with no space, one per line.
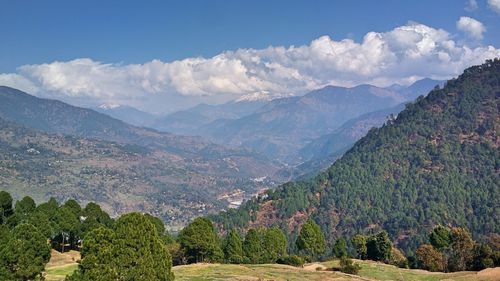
[437,163]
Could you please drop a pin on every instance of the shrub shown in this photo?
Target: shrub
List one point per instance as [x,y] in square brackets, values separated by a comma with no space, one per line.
[291,260]
[348,266]
[398,259]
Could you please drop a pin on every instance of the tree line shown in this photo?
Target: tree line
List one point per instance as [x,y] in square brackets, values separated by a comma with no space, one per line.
[138,247]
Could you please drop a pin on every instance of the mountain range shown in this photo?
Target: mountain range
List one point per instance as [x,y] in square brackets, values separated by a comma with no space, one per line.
[282,128]
[54,149]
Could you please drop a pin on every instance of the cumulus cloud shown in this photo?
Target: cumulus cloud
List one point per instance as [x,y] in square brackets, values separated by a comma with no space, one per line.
[471,6]
[494,5]
[402,55]
[472,27]
[19,82]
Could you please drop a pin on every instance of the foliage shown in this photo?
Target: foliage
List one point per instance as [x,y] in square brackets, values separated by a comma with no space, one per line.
[430,259]
[25,206]
[379,247]
[340,248]
[440,237]
[292,260]
[94,217]
[97,257]
[233,247]
[483,257]
[253,246]
[274,243]
[5,206]
[347,266]
[25,253]
[359,243]
[398,259]
[311,240]
[461,249]
[133,250]
[200,242]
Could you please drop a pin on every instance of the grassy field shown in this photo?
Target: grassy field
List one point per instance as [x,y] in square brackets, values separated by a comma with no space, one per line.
[229,272]
[370,271]
[379,271]
[61,265]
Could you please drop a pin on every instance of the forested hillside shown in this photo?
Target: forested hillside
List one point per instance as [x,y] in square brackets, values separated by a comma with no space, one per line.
[437,163]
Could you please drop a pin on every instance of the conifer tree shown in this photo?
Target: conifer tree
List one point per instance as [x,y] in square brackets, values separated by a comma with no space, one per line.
[340,248]
[233,247]
[274,242]
[25,254]
[253,247]
[311,240]
[200,241]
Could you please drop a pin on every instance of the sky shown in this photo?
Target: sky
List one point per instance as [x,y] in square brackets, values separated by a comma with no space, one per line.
[162,56]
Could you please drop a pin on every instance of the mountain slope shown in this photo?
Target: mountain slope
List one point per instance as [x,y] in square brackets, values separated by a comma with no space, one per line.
[187,174]
[54,116]
[283,127]
[190,121]
[437,163]
[347,134]
[121,177]
[127,114]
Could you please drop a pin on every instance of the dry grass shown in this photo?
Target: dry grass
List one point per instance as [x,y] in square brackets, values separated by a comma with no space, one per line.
[61,264]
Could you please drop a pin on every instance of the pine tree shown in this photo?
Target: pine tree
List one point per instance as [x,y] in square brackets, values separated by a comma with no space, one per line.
[133,251]
[200,241]
[97,261]
[311,240]
[359,242]
[25,254]
[233,247]
[440,237]
[5,206]
[253,247]
[274,243]
[379,247]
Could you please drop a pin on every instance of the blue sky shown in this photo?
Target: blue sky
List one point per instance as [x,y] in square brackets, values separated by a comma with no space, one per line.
[139,31]
[122,33]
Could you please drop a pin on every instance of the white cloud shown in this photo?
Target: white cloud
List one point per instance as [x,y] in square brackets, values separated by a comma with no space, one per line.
[472,27]
[471,6]
[494,5]
[19,82]
[401,55]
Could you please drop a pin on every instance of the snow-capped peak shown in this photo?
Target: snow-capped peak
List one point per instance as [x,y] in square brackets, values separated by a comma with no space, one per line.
[108,106]
[259,96]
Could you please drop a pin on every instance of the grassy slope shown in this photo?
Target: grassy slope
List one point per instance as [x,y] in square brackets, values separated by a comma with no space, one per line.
[199,272]
[379,271]
[61,265]
[370,271]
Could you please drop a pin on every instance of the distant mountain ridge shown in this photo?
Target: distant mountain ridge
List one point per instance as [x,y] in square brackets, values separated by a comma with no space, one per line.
[283,127]
[127,114]
[190,121]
